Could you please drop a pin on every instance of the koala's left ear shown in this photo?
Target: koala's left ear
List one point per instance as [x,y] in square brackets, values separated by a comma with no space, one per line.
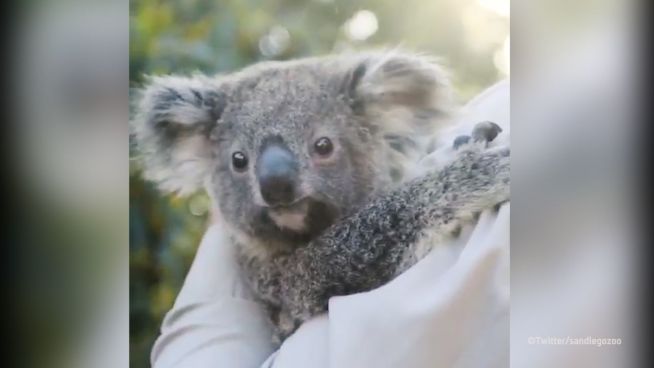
[175,117]
[399,93]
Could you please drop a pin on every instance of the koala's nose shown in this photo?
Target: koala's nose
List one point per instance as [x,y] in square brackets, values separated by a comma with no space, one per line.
[277,173]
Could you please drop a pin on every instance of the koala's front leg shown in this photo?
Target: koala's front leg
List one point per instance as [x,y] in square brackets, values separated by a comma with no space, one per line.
[366,249]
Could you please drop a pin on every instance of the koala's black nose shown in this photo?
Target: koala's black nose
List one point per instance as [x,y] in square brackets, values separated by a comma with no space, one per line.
[277,173]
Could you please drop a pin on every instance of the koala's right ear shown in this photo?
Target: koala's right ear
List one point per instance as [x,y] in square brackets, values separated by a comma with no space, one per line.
[400,93]
[174,119]
[403,98]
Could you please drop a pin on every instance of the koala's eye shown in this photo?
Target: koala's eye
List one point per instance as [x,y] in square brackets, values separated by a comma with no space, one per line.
[239,160]
[323,146]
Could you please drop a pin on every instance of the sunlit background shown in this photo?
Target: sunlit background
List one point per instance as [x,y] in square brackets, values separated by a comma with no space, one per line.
[471,37]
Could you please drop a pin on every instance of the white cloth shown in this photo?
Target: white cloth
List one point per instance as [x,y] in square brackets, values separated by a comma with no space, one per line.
[449,310]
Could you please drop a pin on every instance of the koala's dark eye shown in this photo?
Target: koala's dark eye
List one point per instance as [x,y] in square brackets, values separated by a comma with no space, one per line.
[239,160]
[323,146]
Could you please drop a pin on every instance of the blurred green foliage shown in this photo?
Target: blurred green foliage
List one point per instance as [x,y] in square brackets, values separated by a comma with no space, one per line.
[214,36]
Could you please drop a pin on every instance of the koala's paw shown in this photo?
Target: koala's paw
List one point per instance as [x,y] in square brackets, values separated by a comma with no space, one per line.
[490,165]
[482,134]
[481,178]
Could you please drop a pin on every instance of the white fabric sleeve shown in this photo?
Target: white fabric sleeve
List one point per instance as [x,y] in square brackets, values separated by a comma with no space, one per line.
[450,309]
[214,322]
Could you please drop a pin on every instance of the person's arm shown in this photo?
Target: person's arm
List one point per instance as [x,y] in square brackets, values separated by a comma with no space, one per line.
[214,322]
[415,319]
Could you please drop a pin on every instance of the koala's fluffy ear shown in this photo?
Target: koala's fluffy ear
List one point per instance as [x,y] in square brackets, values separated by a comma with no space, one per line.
[175,116]
[400,93]
[402,98]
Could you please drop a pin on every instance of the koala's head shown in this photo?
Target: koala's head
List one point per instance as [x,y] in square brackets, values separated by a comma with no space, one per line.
[285,148]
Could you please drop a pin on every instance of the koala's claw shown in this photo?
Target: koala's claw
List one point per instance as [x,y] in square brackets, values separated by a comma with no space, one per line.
[486,131]
[460,141]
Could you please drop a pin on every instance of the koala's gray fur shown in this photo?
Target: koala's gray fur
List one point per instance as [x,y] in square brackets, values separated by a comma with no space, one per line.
[357,224]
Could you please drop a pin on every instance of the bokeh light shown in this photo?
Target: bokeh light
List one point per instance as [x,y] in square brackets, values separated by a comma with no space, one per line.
[500,7]
[275,42]
[362,25]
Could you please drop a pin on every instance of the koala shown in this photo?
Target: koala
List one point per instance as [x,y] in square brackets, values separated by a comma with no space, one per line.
[308,160]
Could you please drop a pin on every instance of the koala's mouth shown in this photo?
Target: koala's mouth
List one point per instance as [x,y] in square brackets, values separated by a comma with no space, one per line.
[292,217]
[306,217]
